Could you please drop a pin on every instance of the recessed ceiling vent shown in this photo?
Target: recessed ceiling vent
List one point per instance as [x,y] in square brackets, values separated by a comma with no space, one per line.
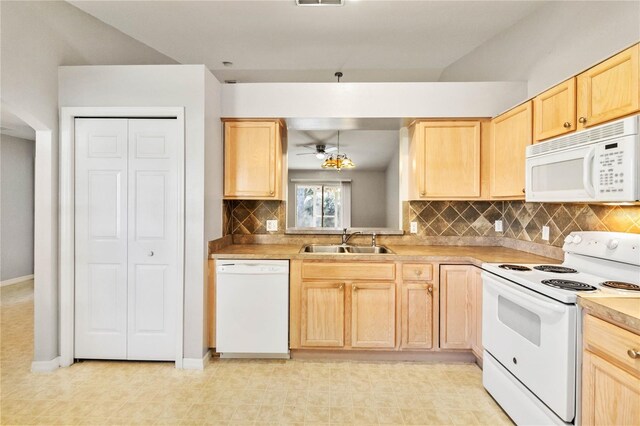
[320,2]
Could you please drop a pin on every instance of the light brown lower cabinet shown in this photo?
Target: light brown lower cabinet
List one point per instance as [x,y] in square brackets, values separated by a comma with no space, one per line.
[373,315]
[322,314]
[394,306]
[476,312]
[610,374]
[417,315]
[461,308]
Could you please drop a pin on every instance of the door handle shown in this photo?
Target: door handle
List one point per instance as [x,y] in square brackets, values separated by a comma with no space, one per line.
[587,171]
[151,253]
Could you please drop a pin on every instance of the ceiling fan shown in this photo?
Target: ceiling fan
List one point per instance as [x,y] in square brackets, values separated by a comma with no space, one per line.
[320,150]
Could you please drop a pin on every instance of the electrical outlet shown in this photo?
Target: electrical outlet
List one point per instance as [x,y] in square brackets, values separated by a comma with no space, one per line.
[272,225]
[414,227]
[498,225]
[545,233]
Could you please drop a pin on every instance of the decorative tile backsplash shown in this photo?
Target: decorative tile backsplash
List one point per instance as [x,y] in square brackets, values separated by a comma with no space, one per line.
[249,217]
[521,221]
[453,218]
[524,221]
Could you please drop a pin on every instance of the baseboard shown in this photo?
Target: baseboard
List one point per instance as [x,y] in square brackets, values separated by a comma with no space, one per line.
[356,355]
[16,280]
[196,363]
[45,366]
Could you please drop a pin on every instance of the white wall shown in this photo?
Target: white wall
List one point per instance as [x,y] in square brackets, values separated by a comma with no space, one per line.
[36,37]
[176,86]
[557,41]
[16,207]
[320,100]
[213,173]
[392,191]
[368,195]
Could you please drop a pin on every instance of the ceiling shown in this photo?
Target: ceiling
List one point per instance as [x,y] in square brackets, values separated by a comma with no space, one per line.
[277,41]
[369,149]
[13,126]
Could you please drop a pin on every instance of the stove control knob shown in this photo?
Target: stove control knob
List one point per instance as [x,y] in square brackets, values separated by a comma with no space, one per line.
[577,239]
[613,244]
[568,239]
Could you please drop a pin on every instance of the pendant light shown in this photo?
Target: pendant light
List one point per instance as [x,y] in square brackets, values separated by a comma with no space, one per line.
[338,161]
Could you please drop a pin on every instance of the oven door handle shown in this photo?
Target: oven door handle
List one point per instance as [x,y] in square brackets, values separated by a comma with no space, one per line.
[526,300]
[587,172]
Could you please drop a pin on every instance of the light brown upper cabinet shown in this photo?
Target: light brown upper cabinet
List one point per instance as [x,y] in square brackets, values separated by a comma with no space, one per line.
[253,159]
[555,111]
[445,160]
[510,136]
[609,90]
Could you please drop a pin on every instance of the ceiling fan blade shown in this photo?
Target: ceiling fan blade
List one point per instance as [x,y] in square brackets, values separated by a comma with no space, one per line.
[331,149]
[307,153]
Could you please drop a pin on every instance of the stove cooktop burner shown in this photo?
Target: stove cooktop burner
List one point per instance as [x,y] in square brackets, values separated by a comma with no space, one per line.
[568,285]
[619,285]
[555,269]
[514,267]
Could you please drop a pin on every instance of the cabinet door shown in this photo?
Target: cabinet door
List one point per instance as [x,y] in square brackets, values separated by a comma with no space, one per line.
[476,312]
[373,315]
[610,396]
[455,306]
[322,314]
[448,163]
[555,111]
[511,134]
[417,316]
[252,159]
[610,89]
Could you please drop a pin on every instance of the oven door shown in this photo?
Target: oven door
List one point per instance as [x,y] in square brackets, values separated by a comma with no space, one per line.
[561,176]
[534,338]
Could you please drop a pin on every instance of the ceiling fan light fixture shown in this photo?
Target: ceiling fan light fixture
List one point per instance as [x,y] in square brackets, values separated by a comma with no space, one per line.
[320,155]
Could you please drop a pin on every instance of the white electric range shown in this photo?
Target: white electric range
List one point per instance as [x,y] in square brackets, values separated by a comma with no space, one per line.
[532,324]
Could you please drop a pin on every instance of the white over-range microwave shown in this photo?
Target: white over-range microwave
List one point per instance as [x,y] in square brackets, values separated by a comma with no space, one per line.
[597,165]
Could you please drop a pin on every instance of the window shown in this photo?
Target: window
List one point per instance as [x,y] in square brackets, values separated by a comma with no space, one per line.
[320,205]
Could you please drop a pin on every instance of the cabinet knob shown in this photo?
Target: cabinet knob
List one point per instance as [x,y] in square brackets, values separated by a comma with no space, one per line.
[422,194]
[633,353]
[566,124]
[582,120]
[272,193]
[151,253]
[355,288]
[418,271]
[430,289]
[341,286]
[523,191]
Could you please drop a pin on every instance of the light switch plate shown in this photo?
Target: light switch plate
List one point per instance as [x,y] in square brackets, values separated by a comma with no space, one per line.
[498,225]
[545,233]
[272,225]
[414,228]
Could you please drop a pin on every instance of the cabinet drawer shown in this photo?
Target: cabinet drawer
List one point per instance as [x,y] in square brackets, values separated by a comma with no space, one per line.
[417,272]
[348,271]
[612,342]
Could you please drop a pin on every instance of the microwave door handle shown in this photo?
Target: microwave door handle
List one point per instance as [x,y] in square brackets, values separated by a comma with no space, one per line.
[587,172]
[533,304]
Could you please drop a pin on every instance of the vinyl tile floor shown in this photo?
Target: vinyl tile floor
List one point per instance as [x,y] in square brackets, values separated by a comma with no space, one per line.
[230,391]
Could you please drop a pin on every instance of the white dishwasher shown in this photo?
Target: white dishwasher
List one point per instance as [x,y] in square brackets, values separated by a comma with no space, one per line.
[252,308]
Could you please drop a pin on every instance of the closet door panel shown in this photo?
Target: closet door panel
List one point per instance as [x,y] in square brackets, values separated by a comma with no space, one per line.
[153,239]
[101,238]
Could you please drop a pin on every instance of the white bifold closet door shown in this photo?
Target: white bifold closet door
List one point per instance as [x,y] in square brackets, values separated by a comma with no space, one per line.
[126,238]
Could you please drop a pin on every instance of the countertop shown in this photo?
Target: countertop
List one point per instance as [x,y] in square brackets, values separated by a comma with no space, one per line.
[623,311]
[469,254]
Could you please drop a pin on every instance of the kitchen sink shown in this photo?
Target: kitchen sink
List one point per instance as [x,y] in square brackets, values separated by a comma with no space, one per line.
[344,249]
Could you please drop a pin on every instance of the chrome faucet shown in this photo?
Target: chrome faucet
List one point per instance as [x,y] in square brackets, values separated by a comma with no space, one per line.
[346,237]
